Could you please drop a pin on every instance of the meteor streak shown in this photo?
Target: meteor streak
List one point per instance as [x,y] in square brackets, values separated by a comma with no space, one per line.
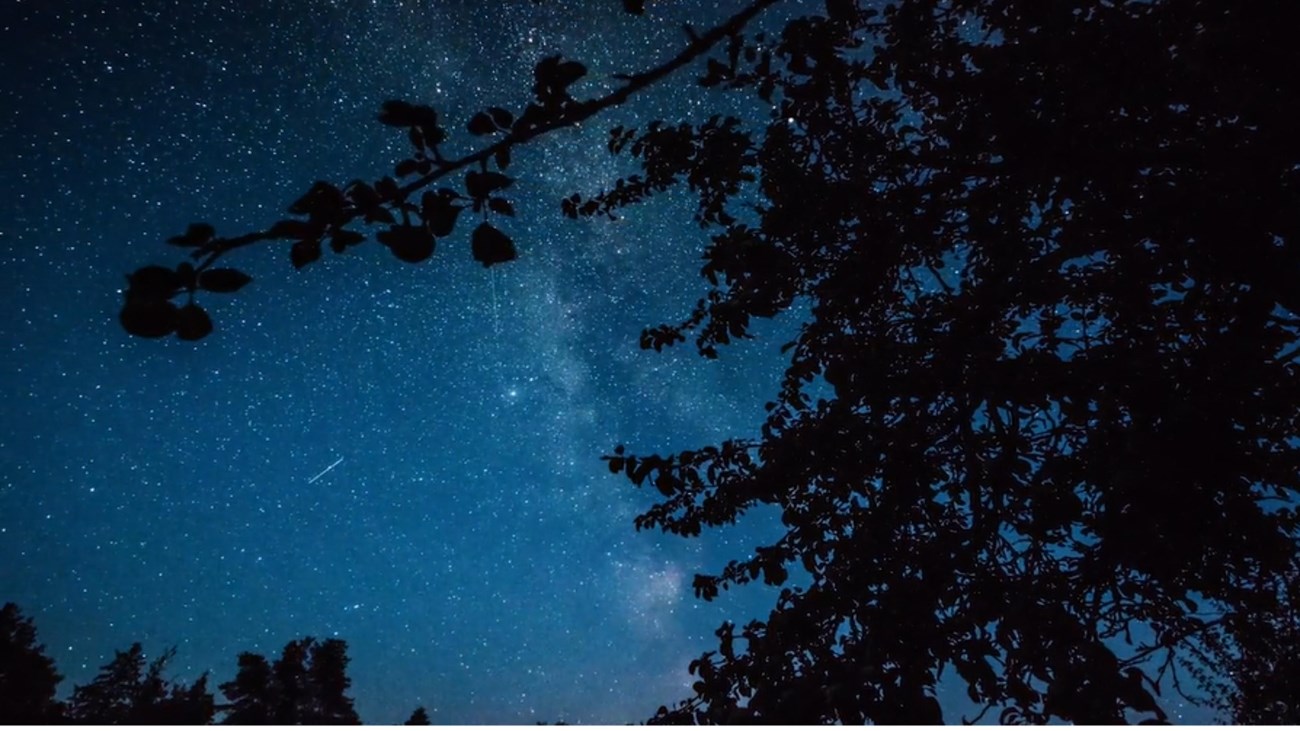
[327,469]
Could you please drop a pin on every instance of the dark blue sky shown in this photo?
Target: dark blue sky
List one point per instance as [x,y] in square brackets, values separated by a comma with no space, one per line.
[470,547]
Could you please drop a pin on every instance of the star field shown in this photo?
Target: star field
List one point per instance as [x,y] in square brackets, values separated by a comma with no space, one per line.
[471,547]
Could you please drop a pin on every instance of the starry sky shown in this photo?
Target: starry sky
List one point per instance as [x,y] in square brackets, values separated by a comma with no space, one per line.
[470,546]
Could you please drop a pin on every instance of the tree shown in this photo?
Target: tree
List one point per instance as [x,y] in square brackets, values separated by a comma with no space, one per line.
[126,692]
[307,685]
[28,678]
[419,717]
[1263,683]
[1046,391]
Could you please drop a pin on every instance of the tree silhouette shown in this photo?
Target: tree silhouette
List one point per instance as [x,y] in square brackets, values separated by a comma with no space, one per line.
[28,678]
[127,692]
[1038,429]
[419,717]
[307,685]
[1264,683]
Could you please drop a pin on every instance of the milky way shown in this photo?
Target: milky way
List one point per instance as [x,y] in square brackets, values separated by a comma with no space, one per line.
[471,547]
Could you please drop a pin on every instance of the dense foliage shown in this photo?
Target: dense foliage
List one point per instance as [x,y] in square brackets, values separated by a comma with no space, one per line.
[1039,428]
[28,679]
[307,685]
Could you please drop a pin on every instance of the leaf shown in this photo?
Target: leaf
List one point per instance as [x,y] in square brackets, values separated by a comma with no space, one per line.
[388,189]
[406,167]
[502,206]
[153,282]
[341,240]
[197,234]
[774,573]
[503,158]
[363,195]
[552,79]
[411,244]
[490,246]
[148,318]
[379,214]
[223,280]
[439,211]
[635,7]
[569,72]
[397,113]
[192,323]
[322,202]
[304,252]
[481,124]
[841,11]
[500,117]
[483,184]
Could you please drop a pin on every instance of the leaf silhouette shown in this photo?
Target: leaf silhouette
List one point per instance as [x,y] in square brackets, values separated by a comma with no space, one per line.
[192,323]
[223,280]
[490,246]
[411,244]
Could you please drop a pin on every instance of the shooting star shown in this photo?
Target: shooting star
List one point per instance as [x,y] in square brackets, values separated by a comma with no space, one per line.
[327,469]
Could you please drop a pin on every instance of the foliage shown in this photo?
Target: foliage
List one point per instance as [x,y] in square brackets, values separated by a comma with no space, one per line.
[419,717]
[307,685]
[28,679]
[1046,394]
[126,691]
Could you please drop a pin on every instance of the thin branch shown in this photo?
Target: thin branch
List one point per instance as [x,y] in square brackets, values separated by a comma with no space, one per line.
[566,118]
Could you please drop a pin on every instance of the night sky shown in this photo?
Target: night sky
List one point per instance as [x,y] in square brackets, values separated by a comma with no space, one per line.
[470,546]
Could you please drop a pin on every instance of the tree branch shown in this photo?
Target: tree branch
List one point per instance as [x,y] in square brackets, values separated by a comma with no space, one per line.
[566,118]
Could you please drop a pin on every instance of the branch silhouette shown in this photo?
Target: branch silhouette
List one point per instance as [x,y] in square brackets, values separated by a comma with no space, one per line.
[148,310]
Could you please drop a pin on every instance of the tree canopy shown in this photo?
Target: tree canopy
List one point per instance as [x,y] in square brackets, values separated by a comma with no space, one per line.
[28,679]
[127,691]
[307,685]
[1038,429]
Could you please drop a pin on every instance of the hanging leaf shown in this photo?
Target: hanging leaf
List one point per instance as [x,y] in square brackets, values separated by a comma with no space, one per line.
[491,246]
[397,113]
[388,188]
[192,323]
[223,280]
[502,206]
[148,318]
[481,124]
[406,167]
[500,117]
[411,244]
[343,239]
[153,282]
[439,211]
[304,252]
[197,234]
[481,184]
[322,202]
